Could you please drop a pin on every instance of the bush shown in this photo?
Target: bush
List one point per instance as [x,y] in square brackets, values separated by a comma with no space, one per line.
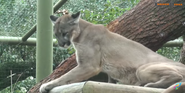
[21,86]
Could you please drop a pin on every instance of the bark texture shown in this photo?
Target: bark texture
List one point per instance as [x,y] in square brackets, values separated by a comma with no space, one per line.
[148,23]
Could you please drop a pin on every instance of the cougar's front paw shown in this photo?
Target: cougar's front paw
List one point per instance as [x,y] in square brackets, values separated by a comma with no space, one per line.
[45,88]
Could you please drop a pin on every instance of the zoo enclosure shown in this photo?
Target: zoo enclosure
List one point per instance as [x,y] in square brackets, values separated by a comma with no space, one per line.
[21,58]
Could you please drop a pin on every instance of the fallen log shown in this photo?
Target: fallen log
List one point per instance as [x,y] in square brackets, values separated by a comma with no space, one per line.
[99,87]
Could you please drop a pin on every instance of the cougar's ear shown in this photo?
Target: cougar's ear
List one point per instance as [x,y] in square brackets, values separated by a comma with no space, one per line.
[53,18]
[76,18]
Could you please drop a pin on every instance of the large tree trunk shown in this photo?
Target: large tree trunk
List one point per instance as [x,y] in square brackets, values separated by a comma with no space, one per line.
[150,24]
[147,23]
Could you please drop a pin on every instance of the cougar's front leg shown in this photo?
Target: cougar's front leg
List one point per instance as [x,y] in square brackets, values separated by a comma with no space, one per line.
[88,65]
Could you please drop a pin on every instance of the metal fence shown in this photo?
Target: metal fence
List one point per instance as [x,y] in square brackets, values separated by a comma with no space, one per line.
[21,59]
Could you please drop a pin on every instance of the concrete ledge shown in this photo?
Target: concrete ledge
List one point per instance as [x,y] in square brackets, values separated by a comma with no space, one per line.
[99,87]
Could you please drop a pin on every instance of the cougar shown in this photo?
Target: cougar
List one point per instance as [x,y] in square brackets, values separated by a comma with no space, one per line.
[99,50]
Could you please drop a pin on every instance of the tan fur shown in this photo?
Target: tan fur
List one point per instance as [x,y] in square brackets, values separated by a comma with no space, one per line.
[171,89]
[99,50]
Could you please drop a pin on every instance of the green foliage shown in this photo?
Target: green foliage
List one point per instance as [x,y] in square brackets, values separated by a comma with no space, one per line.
[100,11]
[21,86]
[22,61]
[17,16]
[60,54]
[170,52]
[21,71]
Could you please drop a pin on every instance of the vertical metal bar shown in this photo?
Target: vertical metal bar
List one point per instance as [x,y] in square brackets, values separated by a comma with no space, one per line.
[44,45]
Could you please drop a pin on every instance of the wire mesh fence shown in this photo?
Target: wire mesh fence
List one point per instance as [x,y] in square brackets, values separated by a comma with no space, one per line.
[17,17]
[21,60]
[18,59]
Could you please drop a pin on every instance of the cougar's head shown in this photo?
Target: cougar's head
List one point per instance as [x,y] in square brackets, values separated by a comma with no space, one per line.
[64,28]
